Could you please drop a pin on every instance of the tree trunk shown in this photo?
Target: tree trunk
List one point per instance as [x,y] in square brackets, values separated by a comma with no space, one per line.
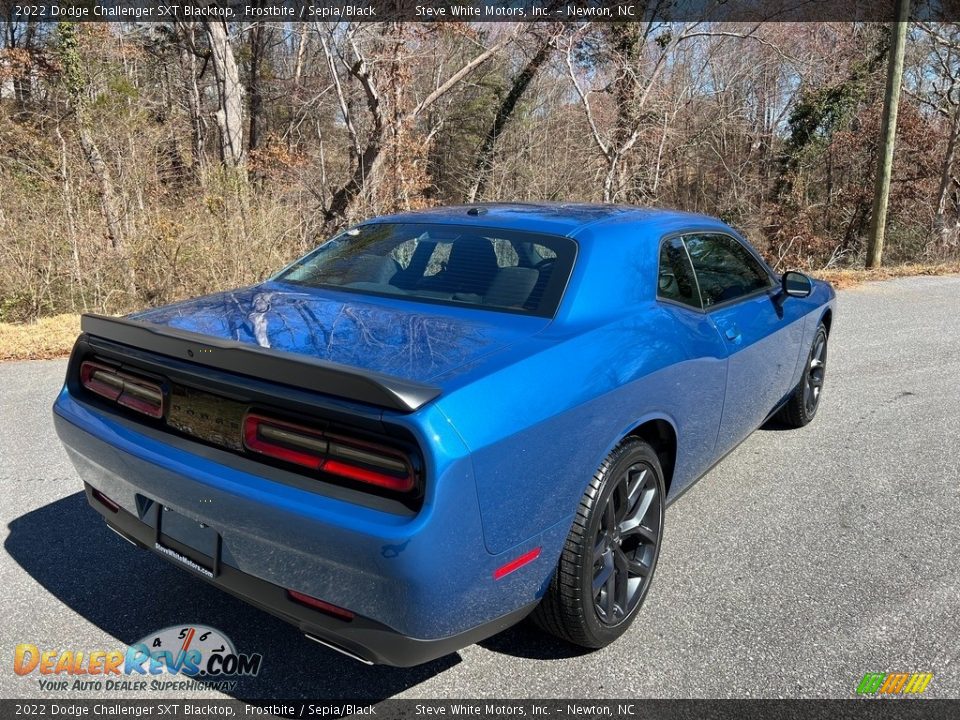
[258,47]
[888,135]
[297,75]
[108,204]
[188,72]
[76,86]
[484,161]
[946,178]
[229,93]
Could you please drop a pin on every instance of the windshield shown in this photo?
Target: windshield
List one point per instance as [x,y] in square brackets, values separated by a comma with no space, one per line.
[479,267]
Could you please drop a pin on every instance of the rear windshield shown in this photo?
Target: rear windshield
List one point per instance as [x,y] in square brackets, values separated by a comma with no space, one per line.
[479,267]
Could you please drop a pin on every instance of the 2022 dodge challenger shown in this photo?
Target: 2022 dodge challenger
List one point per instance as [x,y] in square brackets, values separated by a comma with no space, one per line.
[438,422]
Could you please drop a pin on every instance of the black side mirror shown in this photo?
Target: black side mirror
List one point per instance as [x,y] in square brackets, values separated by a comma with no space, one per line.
[796,284]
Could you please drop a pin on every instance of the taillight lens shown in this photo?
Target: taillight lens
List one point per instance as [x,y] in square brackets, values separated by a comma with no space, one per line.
[338,455]
[284,441]
[321,605]
[131,391]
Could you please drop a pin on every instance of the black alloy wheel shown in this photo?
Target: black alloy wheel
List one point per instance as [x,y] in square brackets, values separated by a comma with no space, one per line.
[802,406]
[610,555]
[626,544]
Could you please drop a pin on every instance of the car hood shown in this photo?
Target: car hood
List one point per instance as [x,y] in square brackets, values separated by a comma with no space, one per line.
[407,339]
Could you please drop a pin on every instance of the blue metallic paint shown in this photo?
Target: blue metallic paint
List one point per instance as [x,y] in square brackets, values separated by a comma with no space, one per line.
[529,408]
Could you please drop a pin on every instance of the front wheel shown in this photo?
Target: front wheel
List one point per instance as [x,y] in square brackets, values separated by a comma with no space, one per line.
[802,406]
[611,552]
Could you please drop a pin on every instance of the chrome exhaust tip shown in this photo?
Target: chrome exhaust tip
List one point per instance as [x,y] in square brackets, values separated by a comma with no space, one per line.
[341,650]
[132,542]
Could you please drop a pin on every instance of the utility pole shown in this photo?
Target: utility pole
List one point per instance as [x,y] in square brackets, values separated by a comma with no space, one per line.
[888,134]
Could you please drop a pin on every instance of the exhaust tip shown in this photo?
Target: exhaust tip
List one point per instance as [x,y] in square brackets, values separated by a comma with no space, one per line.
[339,649]
[124,536]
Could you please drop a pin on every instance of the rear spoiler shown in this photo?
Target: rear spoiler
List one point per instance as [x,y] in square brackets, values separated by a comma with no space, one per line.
[299,371]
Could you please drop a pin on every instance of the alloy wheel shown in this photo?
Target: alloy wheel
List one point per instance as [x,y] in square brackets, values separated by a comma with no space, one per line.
[813,383]
[625,545]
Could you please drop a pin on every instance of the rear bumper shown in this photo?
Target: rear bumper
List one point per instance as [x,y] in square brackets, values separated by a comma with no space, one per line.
[420,585]
[360,638]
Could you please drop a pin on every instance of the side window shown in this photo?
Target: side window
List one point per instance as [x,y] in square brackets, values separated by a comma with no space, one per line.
[725,269]
[676,281]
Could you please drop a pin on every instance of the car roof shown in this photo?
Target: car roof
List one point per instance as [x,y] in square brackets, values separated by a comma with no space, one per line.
[546,217]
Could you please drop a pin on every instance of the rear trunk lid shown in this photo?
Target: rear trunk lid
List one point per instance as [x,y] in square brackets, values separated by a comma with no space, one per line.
[411,340]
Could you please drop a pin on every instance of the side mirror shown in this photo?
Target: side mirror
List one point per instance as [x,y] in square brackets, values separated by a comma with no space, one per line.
[796,284]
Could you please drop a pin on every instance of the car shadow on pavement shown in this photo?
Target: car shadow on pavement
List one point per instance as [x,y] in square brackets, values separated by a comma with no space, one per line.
[525,640]
[129,593]
[774,424]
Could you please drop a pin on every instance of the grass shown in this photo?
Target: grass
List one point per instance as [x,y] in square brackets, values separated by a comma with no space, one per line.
[48,337]
[52,337]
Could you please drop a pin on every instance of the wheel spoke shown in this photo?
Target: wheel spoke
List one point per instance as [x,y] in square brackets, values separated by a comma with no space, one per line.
[622,576]
[636,488]
[609,604]
[609,515]
[603,576]
[599,548]
[639,568]
[647,534]
[619,500]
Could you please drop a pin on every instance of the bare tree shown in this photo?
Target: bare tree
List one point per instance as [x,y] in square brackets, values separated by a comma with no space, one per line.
[939,88]
[387,113]
[187,57]
[76,83]
[518,87]
[229,93]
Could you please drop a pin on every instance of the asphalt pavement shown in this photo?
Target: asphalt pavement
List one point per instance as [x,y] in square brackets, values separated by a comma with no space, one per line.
[804,560]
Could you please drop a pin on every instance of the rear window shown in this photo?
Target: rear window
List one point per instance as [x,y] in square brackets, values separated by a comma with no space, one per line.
[479,267]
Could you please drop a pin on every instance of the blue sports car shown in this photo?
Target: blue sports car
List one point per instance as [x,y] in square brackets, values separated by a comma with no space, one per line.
[439,422]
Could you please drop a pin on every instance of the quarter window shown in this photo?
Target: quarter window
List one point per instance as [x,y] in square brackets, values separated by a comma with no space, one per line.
[725,269]
[676,281]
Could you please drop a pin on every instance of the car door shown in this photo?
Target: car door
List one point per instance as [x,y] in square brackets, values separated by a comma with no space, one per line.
[763,334]
[700,385]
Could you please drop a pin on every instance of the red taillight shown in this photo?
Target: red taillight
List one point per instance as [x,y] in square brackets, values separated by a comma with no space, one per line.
[337,612]
[123,388]
[334,454]
[284,441]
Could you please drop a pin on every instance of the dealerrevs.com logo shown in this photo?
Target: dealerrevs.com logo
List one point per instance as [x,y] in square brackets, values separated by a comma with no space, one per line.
[176,658]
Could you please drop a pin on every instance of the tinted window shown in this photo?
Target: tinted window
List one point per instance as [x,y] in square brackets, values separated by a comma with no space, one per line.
[725,269]
[480,267]
[676,281]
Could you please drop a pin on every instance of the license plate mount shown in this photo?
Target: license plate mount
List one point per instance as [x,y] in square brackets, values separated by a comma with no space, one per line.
[191,543]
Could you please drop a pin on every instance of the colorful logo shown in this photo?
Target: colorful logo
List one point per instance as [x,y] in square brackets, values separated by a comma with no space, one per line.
[894,683]
[198,652]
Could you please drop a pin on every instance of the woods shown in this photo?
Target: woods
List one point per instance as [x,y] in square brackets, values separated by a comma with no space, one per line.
[142,163]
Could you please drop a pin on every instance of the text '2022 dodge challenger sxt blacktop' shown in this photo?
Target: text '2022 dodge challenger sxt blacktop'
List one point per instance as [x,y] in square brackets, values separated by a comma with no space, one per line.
[438,422]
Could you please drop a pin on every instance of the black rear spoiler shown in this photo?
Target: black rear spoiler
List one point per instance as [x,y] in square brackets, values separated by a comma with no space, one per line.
[298,371]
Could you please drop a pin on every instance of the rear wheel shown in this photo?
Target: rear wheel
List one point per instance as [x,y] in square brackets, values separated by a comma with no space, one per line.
[611,552]
[802,406]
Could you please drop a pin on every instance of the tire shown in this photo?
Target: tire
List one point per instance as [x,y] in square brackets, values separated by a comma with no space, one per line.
[802,406]
[613,545]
